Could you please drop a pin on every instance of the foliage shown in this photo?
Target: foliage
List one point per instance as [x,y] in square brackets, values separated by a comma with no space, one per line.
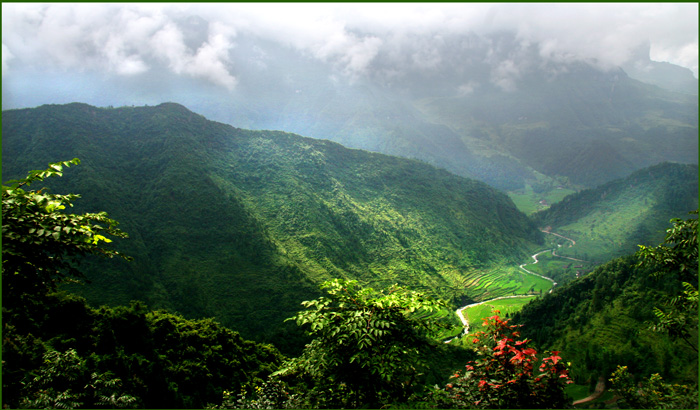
[504,375]
[271,394]
[678,254]
[60,352]
[652,393]
[368,345]
[61,383]
[599,320]
[677,257]
[41,243]
[161,359]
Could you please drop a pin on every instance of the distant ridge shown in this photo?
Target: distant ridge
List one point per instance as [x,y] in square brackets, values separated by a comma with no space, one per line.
[242,225]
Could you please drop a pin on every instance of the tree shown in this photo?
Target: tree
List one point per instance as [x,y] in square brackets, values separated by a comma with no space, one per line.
[505,377]
[61,383]
[41,244]
[677,259]
[367,347]
[652,393]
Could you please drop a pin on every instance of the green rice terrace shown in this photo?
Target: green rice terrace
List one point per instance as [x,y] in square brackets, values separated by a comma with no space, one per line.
[508,289]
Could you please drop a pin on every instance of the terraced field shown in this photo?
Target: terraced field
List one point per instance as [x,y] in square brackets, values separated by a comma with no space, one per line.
[507,289]
[505,281]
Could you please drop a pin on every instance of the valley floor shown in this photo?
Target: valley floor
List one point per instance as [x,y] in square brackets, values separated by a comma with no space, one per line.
[461,312]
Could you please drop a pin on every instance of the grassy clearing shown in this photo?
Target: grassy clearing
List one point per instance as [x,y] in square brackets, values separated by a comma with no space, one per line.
[506,306]
[539,194]
[561,270]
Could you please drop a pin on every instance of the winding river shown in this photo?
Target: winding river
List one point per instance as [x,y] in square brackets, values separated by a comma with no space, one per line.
[459,312]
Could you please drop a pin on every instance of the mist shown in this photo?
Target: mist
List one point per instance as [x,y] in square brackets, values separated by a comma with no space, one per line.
[125,52]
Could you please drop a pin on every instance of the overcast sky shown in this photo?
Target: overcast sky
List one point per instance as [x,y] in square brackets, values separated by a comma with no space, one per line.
[131,40]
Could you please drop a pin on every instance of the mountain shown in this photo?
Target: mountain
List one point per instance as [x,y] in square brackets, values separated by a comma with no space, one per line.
[242,225]
[495,110]
[611,220]
[662,74]
[587,125]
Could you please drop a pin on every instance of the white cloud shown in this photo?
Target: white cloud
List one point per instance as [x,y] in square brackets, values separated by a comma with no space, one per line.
[357,39]
[467,88]
[505,75]
[6,57]
[122,39]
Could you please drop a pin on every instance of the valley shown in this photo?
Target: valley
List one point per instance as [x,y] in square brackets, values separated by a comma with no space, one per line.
[506,305]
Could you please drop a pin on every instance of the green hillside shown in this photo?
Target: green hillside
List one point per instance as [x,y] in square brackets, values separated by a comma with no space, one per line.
[612,219]
[242,225]
[601,321]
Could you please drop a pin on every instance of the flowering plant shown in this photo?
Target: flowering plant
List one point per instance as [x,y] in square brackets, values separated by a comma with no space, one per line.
[508,373]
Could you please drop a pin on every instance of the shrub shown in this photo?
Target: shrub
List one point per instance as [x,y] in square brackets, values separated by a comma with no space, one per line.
[506,375]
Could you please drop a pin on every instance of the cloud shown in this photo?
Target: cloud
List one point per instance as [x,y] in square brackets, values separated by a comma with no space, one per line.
[370,40]
[6,57]
[121,39]
[467,88]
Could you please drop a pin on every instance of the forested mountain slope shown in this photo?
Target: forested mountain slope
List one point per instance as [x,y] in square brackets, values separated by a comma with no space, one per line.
[242,225]
[612,219]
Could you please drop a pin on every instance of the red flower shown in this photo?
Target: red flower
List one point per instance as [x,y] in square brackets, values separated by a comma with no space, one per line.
[482,383]
[518,357]
[502,344]
[554,357]
[530,351]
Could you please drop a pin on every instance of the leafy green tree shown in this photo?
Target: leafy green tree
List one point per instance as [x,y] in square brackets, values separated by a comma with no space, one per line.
[367,345]
[61,384]
[505,376]
[271,394]
[677,259]
[652,393]
[41,244]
